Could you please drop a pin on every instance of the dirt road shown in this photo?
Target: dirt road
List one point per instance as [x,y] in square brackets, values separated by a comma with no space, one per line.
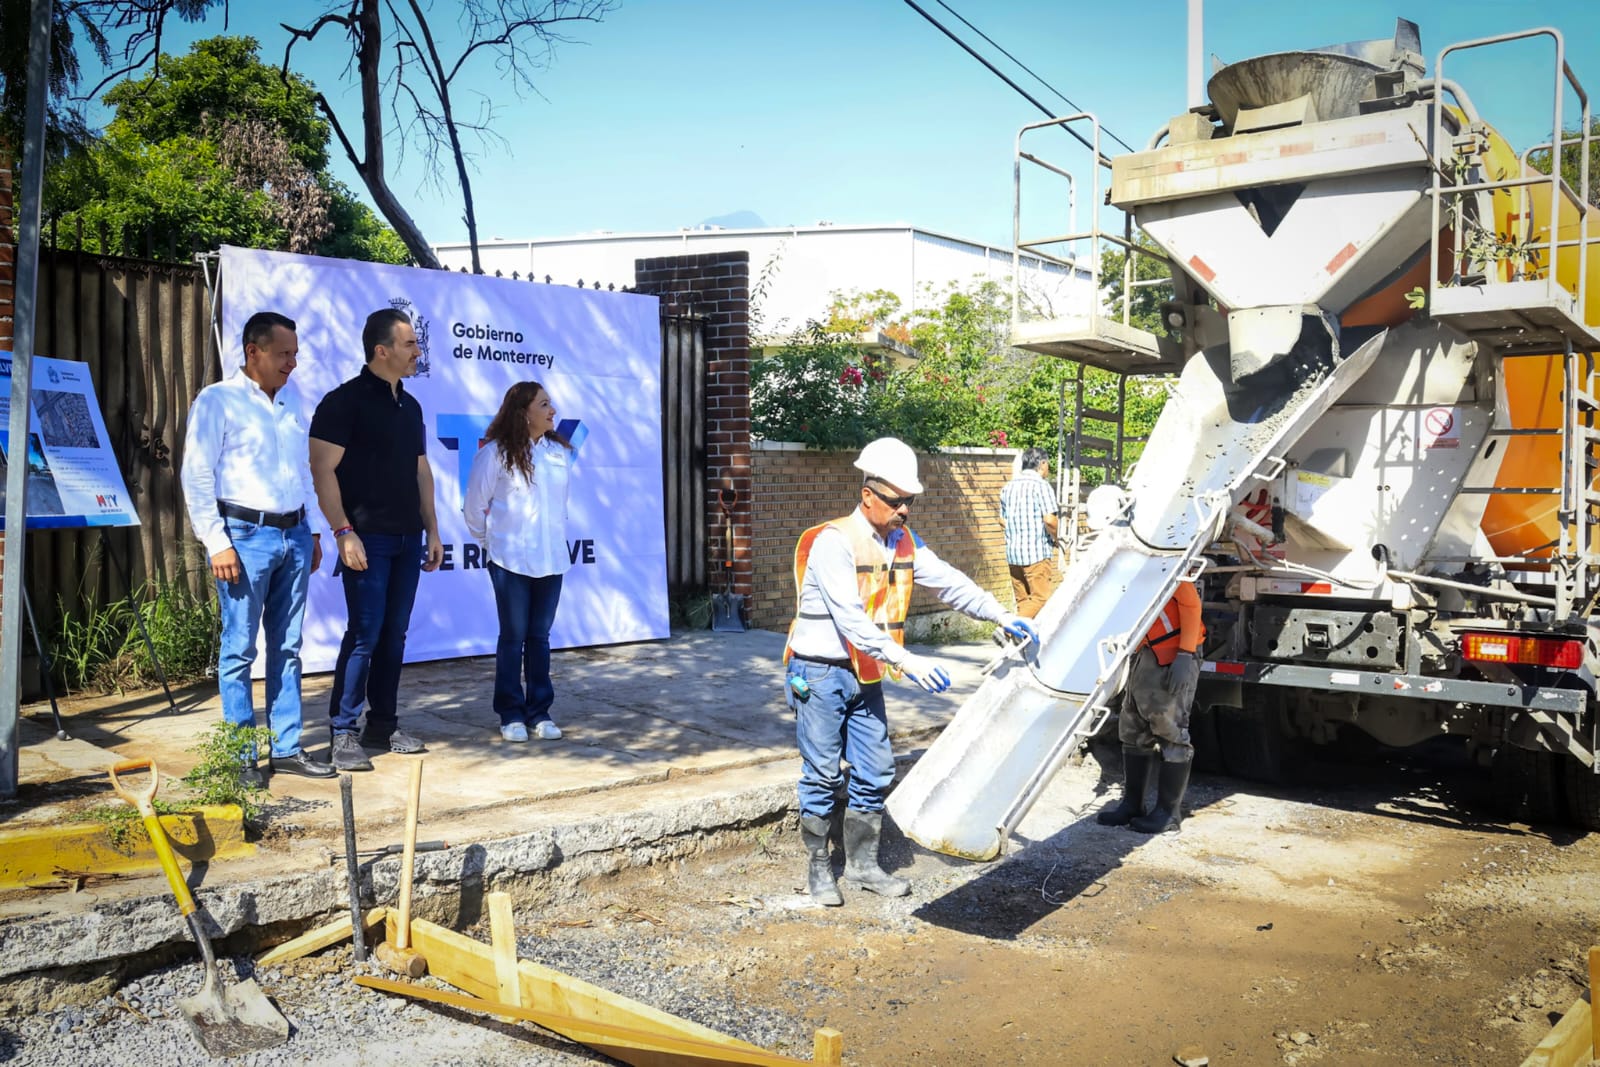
[1353,918]
[1341,921]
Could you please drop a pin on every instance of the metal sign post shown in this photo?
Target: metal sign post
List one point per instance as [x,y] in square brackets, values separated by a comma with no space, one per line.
[24,314]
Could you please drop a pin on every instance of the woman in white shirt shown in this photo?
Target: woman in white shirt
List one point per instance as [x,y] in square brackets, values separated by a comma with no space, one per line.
[516,508]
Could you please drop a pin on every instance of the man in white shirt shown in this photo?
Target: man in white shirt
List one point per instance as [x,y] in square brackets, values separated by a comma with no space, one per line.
[839,649]
[246,482]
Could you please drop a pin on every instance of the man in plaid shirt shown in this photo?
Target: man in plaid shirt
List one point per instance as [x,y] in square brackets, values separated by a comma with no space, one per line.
[1028,508]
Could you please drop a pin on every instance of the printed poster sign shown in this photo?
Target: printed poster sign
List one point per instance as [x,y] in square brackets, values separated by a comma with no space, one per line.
[73,477]
[599,356]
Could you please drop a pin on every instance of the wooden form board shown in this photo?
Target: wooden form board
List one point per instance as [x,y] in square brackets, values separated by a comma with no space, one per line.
[320,938]
[1572,1041]
[564,1003]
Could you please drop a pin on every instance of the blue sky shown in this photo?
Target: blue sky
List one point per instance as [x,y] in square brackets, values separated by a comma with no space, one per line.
[671,112]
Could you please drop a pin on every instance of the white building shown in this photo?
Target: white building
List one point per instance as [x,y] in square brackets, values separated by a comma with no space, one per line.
[806,265]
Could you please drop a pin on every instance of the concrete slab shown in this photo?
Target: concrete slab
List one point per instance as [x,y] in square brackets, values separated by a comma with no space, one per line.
[662,740]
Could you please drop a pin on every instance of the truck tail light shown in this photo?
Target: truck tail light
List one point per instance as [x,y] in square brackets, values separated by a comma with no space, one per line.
[1558,652]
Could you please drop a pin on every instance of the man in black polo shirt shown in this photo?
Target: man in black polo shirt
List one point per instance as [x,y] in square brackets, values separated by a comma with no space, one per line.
[370,464]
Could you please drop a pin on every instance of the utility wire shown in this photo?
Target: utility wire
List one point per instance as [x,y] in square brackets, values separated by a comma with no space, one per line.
[1048,113]
[998,47]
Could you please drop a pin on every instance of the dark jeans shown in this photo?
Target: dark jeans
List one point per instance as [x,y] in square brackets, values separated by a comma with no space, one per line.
[378,602]
[527,610]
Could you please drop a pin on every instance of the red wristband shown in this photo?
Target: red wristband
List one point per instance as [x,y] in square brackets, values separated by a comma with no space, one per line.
[341,531]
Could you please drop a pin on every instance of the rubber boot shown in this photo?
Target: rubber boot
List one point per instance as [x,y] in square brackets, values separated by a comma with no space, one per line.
[861,834]
[819,872]
[1167,815]
[1136,766]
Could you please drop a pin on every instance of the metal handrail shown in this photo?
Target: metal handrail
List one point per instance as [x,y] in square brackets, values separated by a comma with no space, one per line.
[1563,76]
[1095,235]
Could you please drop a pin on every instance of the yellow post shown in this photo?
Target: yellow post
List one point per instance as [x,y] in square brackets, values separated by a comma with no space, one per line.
[1594,1002]
[827,1049]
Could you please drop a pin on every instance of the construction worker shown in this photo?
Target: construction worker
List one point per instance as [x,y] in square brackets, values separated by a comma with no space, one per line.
[1154,722]
[1028,510]
[853,577]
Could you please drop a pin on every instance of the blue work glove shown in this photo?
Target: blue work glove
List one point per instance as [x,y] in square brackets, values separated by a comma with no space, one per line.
[928,673]
[1183,674]
[1020,629]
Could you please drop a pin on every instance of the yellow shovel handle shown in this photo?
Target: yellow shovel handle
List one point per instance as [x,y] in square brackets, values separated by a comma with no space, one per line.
[144,800]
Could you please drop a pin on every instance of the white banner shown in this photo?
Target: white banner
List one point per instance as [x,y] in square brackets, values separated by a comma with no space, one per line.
[598,355]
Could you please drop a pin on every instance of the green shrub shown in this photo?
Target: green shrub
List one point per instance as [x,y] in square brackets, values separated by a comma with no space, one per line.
[102,649]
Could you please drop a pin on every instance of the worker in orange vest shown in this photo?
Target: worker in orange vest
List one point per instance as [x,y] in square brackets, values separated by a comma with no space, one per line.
[1154,723]
[853,579]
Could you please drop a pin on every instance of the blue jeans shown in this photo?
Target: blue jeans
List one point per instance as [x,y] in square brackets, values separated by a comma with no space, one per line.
[275,570]
[378,603]
[840,717]
[527,610]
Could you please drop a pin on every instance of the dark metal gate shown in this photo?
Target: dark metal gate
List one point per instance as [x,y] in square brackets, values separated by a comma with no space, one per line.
[142,327]
[683,451]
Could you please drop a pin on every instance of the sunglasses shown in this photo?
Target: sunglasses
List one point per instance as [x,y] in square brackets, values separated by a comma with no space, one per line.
[895,503]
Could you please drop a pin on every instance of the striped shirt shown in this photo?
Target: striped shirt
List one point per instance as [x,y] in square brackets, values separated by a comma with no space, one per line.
[1024,503]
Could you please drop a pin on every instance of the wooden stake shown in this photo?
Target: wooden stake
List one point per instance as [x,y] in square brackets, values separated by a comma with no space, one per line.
[315,940]
[827,1048]
[1594,1002]
[503,939]
[413,802]
[406,961]
[596,1034]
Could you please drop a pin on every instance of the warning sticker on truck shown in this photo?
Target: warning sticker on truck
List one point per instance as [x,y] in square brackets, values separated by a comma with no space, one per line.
[1441,428]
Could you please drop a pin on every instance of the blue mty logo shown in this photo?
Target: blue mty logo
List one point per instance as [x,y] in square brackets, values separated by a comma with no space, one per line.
[463,435]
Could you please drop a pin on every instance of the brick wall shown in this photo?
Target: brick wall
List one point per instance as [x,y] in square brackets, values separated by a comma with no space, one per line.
[958,516]
[716,287]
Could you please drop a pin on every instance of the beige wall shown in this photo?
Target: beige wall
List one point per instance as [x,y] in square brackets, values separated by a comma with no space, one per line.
[795,488]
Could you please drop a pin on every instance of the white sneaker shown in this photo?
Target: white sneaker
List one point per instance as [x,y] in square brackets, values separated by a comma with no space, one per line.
[547,730]
[514,731]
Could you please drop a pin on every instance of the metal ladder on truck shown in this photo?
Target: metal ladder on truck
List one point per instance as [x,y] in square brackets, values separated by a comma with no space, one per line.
[1537,309]
[1097,437]
[1520,311]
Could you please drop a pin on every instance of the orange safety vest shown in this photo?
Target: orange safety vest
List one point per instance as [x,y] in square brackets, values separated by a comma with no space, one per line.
[1178,627]
[885,587]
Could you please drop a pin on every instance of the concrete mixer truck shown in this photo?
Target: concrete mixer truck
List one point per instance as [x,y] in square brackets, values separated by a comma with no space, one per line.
[1378,460]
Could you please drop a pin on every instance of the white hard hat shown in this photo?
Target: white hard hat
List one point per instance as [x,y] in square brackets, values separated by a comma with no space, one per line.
[892,460]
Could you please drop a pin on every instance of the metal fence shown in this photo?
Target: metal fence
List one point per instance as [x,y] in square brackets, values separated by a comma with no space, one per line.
[142,327]
[683,451]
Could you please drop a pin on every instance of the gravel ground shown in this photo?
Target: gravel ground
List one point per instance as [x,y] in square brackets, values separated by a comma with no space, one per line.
[332,1020]
[1358,917]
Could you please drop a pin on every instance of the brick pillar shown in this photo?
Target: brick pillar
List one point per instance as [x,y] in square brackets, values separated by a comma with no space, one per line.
[716,287]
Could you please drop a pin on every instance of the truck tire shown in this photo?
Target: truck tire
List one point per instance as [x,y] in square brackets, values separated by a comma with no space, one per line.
[1252,741]
[1526,785]
[1583,795]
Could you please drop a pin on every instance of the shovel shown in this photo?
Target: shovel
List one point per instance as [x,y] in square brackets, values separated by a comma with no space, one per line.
[727,607]
[226,1022]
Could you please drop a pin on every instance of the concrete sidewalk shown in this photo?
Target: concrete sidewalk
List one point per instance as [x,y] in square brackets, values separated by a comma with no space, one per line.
[673,738]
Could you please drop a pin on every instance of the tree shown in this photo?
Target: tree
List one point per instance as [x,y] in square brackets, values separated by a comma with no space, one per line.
[968,386]
[419,80]
[215,147]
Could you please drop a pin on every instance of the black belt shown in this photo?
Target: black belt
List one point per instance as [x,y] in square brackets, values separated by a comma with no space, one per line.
[283,520]
[842,664]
